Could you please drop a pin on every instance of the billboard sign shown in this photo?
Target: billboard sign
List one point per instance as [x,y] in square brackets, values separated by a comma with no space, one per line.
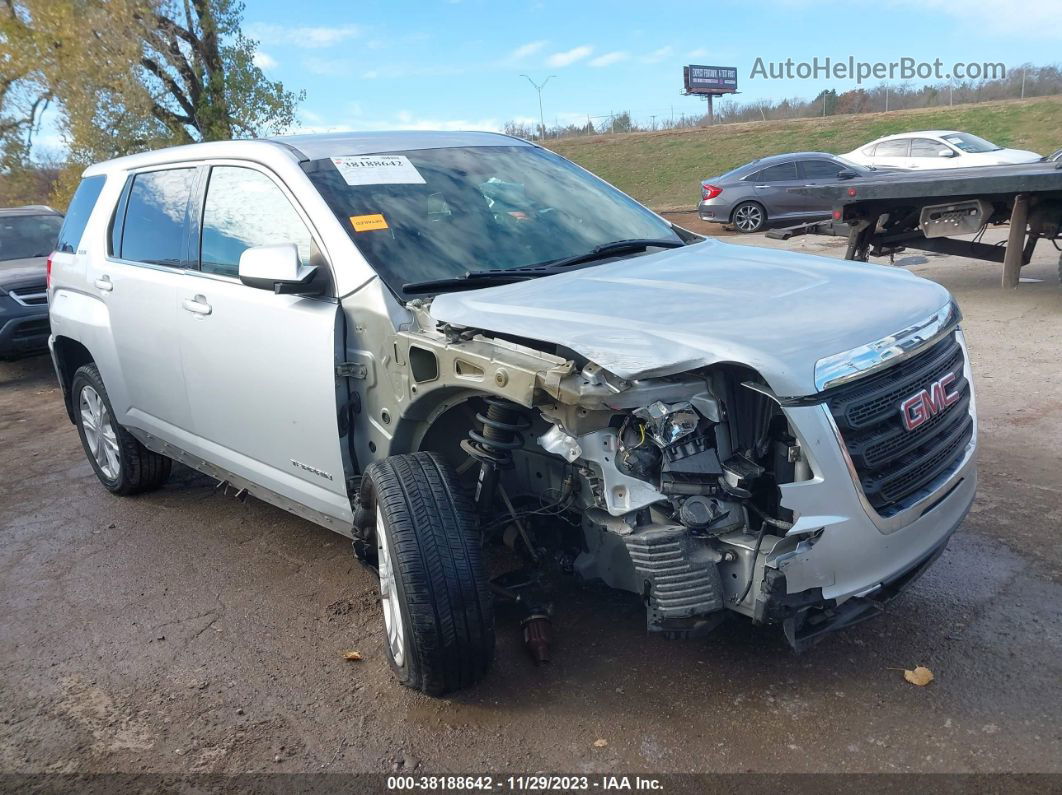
[710,79]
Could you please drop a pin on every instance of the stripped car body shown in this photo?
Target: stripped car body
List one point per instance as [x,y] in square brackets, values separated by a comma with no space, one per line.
[711,427]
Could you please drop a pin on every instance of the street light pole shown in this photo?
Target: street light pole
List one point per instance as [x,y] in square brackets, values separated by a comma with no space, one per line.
[541,115]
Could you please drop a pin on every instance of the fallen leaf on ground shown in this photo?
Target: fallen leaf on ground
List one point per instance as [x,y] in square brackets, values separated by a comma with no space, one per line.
[352,655]
[920,676]
[600,743]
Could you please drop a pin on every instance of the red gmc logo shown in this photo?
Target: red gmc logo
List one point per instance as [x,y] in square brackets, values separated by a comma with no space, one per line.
[923,406]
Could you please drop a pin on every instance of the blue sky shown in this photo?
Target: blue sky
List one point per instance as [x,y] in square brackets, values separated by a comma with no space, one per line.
[457,64]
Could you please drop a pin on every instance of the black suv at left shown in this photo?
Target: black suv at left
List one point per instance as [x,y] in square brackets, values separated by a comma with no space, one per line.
[27,236]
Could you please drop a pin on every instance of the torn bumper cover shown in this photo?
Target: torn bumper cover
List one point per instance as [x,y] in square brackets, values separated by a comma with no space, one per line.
[807,618]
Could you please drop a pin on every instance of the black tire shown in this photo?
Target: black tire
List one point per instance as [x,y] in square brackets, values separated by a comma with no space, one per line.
[443,592]
[749,217]
[138,469]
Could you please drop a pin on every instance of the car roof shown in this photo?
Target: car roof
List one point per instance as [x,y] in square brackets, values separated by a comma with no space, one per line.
[29,209]
[311,147]
[917,134]
[770,160]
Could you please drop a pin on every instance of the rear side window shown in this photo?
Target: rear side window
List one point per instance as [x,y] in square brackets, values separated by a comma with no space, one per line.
[77,215]
[780,173]
[893,148]
[156,217]
[245,208]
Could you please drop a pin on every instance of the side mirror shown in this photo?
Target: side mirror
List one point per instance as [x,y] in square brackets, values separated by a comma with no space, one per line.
[947,153]
[277,268]
[846,173]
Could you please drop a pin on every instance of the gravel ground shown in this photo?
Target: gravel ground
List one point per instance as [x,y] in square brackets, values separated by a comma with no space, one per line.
[183,631]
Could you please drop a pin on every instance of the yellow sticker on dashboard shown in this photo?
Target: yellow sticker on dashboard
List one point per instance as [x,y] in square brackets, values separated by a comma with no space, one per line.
[366,223]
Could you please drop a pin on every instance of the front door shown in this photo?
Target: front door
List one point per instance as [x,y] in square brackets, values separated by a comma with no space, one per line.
[260,367]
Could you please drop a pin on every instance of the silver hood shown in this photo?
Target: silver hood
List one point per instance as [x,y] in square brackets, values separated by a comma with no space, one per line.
[776,311]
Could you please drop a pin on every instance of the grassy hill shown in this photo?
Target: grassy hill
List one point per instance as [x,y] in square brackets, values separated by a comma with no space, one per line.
[664,169]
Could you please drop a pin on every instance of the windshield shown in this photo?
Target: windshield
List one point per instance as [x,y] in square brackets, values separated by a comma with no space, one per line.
[856,167]
[970,143]
[440,213]
[27,236]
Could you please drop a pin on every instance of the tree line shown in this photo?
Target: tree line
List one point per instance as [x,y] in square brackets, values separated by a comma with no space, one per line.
[1020,82]
[123,76]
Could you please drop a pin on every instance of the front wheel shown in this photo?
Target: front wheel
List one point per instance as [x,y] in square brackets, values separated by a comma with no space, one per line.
[122,464]
[434,590]
[749,217]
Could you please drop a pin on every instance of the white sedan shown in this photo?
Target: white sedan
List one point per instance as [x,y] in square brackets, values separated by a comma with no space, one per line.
[937,149]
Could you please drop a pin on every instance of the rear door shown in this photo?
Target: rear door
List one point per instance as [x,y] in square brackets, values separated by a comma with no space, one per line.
[893,154]
[260,367]
[771,188]
[138,280]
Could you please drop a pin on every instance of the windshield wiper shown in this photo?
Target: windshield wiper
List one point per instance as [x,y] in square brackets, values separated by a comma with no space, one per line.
[473,280]
[609,249]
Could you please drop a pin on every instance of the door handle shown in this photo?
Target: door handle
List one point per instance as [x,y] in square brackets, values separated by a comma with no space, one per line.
[197,305]
[762,186]
[104,283]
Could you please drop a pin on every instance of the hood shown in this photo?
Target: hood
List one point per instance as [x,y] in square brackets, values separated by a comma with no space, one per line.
[1007,156]
[657,314]
[22,270]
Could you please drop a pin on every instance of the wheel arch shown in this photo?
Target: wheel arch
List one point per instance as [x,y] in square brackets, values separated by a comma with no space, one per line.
[763,209]
[68,355]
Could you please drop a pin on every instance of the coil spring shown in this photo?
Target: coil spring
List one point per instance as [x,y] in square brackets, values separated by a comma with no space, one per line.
[503,424]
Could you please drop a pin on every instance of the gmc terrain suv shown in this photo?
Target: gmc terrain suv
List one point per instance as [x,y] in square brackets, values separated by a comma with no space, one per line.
[445,345]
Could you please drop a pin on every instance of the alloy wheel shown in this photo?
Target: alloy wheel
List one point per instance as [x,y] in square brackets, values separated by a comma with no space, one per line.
[100,436]
[748,218]
[392,610]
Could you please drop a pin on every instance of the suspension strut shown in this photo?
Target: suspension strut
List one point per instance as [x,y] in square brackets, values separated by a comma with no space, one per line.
[502,432]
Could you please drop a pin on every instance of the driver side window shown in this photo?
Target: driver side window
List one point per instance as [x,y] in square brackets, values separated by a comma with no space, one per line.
[245,208]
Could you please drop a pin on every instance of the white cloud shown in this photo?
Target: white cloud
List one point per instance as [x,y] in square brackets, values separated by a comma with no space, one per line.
[569,57]
[264,60]
[700,52]
[1030,18]
[609,58]
[525,50]
[657,55]
[306,36]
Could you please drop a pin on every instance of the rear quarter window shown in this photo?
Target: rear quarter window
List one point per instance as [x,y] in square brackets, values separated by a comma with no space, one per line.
[77,215]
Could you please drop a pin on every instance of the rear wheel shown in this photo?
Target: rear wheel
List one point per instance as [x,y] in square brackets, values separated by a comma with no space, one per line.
[123,465]
[434,590]
[749,217]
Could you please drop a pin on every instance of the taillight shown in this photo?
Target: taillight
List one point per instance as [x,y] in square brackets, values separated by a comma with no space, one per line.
[709,191]
[48,274]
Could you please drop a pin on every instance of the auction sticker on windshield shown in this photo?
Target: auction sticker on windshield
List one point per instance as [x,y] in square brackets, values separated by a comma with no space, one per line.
[365,223]
[378,170]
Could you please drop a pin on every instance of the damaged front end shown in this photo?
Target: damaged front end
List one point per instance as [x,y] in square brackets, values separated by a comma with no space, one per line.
[702,492]
[681,502]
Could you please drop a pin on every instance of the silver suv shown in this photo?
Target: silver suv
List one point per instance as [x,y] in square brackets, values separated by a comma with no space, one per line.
[455,346]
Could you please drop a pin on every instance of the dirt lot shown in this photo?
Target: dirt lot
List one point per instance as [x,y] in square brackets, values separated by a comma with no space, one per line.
[185,631]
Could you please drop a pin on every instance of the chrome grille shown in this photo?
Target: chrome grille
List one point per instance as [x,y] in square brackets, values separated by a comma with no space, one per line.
[893,463]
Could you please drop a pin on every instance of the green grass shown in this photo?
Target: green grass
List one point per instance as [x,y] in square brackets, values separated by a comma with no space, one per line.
[664,169]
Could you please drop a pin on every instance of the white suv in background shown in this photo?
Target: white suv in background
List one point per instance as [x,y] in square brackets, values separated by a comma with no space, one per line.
[932,149]
[446,344]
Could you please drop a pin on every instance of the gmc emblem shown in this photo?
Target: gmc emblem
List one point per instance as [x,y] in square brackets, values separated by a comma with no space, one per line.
[923,406]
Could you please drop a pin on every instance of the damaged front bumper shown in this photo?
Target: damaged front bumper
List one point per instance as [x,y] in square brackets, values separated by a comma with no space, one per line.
[807,617]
